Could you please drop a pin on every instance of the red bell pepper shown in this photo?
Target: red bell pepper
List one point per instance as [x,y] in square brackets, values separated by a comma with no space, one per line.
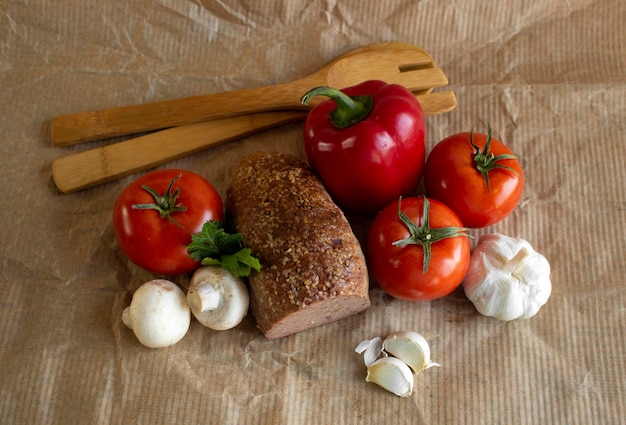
[366,143]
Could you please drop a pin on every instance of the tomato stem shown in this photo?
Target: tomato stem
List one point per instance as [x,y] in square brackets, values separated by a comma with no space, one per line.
[165,204]
[486,161]
[350,109]
[423,235]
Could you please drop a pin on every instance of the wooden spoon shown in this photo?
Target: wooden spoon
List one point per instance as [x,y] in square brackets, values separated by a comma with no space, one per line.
[99,165]
[393,62]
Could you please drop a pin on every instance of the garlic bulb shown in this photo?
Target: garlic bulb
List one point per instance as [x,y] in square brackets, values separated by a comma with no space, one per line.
[507,279]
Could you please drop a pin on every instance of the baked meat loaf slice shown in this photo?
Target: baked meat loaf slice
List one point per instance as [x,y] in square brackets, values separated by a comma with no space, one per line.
[313,269]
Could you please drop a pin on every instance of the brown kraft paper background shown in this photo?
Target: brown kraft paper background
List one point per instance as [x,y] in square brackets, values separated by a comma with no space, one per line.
[550,78]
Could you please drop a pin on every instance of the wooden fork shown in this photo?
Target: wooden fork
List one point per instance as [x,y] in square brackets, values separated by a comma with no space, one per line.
[397,63]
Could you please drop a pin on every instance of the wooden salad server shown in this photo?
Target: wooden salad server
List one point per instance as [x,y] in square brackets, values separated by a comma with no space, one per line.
[394,63]
[106,163]
[99,165]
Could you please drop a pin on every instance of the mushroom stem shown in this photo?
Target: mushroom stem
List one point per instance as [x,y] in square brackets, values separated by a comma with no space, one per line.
[126,318]
[203,297]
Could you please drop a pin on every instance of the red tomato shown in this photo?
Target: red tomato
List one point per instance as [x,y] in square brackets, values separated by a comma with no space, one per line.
[452,174]
[420,254]
[154,229]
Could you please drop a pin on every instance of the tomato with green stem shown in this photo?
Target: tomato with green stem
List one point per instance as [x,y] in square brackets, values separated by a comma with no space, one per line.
[156,215]
[418,249]
[476,175]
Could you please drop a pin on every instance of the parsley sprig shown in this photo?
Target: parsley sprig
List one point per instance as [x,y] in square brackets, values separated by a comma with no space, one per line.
[213,246]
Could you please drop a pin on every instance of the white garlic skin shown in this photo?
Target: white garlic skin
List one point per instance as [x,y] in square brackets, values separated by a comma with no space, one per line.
[507,279]
[372,349]
[391,374]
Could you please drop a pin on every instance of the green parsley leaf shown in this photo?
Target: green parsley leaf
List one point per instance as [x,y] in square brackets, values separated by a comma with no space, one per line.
[211,262]
[213,246]
[245,256]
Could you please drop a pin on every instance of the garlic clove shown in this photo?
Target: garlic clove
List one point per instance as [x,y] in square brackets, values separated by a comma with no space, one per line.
[410,347]
[372,348]
[391,374]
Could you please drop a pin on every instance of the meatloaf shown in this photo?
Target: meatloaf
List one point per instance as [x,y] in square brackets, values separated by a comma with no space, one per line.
[313,270]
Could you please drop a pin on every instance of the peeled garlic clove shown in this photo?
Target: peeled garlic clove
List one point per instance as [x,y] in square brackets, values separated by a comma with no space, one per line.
[373,348]
[410,347]
[391,374]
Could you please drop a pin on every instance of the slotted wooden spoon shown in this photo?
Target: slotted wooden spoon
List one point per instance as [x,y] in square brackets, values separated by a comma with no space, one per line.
[396,63]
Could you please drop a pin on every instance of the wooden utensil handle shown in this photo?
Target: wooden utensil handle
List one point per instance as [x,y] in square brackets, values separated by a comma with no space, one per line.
[85,126]
[95,166]
[107,163]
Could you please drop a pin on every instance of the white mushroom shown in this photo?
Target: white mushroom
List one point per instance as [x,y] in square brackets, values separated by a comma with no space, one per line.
[217,299]
[158,314]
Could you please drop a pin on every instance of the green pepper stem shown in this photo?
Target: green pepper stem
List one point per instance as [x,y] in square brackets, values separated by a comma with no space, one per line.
[350,109]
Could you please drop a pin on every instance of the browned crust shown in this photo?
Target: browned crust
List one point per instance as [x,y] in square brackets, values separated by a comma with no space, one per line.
[313,269]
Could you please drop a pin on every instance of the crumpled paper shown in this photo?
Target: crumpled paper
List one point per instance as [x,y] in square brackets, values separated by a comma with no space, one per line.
[548,77]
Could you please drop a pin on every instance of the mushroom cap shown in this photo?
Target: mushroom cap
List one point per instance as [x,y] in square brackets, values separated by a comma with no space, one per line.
[158,314]
[217,298]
